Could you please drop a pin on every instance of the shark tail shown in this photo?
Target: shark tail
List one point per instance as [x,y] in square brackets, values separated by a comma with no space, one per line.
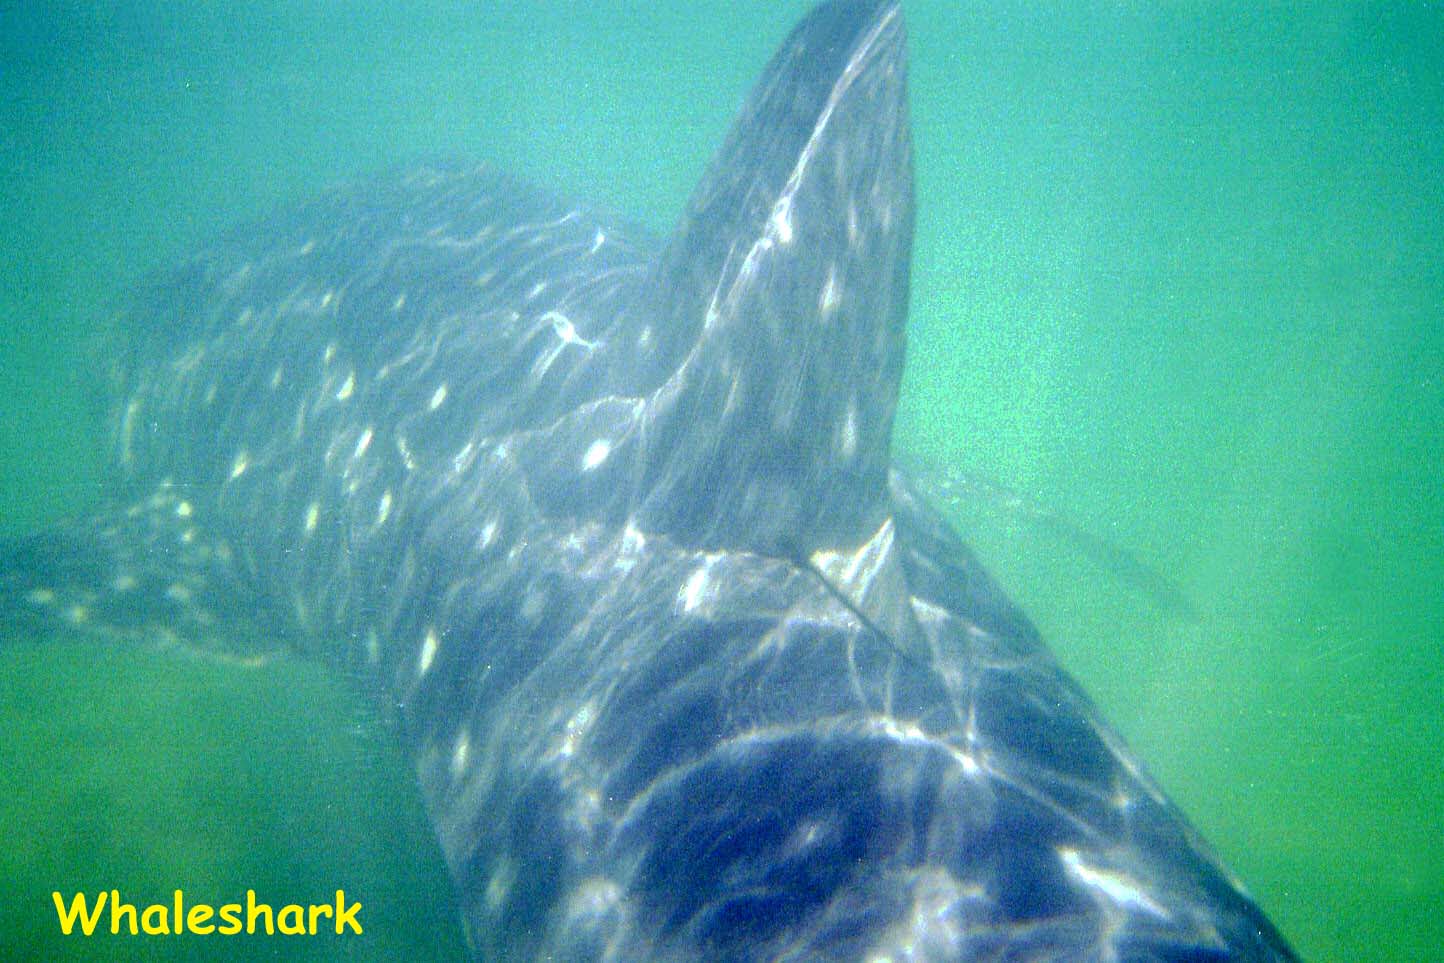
[144,572]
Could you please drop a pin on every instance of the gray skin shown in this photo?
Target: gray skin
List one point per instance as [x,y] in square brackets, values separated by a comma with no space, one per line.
[687,671]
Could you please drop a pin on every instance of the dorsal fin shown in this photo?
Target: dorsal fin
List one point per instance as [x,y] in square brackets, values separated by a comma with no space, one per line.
[780,303]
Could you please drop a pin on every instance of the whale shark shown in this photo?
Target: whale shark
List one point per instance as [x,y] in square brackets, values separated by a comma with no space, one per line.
[609,527]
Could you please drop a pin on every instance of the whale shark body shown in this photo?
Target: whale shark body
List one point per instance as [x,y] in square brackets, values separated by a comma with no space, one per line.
[610,527]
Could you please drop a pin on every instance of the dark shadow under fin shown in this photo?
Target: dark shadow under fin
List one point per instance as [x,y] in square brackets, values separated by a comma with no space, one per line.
[146,573]
[965,490]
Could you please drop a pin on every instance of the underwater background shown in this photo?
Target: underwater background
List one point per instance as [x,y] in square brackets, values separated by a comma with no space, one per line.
[1178,292]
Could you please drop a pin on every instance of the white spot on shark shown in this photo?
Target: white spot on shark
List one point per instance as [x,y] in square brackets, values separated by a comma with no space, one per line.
[191,360]
[576,728]
[498,888]
[404,450]
[596,453]
[460,753]
[831,294]
[363,443]
[847,432]
[595,898]
[534,605]
[463,458]
[633,542]
[127,430]
[429,645]
[694,590]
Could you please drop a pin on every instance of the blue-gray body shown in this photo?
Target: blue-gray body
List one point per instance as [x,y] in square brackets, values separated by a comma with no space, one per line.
[688,672]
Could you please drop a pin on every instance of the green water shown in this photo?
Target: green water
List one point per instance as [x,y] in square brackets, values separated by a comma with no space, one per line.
[1177,277]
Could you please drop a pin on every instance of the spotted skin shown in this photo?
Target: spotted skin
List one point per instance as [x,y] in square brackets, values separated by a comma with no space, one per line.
[686,670]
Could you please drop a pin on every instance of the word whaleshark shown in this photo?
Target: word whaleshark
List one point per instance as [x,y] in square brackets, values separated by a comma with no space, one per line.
[687,669]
